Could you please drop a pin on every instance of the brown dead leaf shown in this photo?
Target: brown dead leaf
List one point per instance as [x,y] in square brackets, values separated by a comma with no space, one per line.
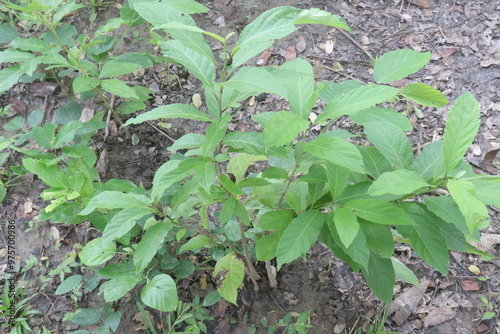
[113,128]
[291,53]
[264,57]
[329,46]
[406,304]
[438,316]
[470,285]
[483,328]
[318,68]
[422,3]
[87,114]
[43,88]
[488,161]
[300,46]
[18,105]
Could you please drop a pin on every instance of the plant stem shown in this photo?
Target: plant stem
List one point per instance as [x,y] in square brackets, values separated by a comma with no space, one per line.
[251,269]
[290,179]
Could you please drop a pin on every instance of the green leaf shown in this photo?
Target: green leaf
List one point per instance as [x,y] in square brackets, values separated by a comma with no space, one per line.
[119,88]
[229,185]
[462,124]
[44,136]
[86,316]
[9,77]
[176,110]
[68,284]
[232,271]
[214,135]
[382,114]
[250,142]
[205,174]
[463,192]
[7,33]
[426,238]
[255,80]
[117,287]
[487,192]
[299,236]
[181,26]
[391,142]
[404,273]
[425,95]
[337,178]
[358,252]
[52,175]
[337,151]
[275,220]
[399,182]
[196,242]
[447,209]
[67,133]
[318,16]
[29,44]
[167,175]
[15,56]
[160,293]
[95,252]
[212,298]
[114,67]
[300,91]
[83,84]
[379,212]
[374,162]
[282,128]
[151,241]
[429,160]
[63,9]
[346,224]
[115,200]
[239,163]
[378,238]
[334,90]
[196,63]
[397,64]
[123,222]
[355,100]
[380,277]
[276,173]
[265,248]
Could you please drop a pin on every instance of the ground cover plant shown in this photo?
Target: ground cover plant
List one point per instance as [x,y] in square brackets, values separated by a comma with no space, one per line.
[357,199]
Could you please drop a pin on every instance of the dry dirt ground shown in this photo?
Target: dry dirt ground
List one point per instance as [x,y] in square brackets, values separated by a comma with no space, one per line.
[464,38]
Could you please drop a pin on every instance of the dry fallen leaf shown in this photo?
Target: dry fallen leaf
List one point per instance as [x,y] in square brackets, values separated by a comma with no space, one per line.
[54,232]
[197,100]
[87,114]
[438,316]
[329,46]
[264,57]
[291,53]
[475,270]
[406,304]
[470,285]
[300,46]
[43,88]
[488,161]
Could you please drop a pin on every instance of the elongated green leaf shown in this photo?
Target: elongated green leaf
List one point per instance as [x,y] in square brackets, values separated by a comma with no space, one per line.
[426,238]
[455,239]
[265,248]
[114,68]
[299,236]
[300,91]
[15,56]
[120,88]
[404,273]
[29,44]
[399,182]
[187,6]
[282,128]
[357,251]
[395,65]
[382,114]
[115,200]
[378,238]
[123,222]
[346,224]
[318,16]
[9,77]
[7,33]
[240,163]
[374,162]
[429,160]
[118,287]
[425,95]
[160,293]
[95,252]
[83,84]
[67,133]
[205,174]
[232,270]
[255,80]
[196,242]
[214,135]
[337,151]
[151,241]
[68,284]
[337,177]
[379,212]
[167,175]
[446,209]
[86,316]
[44,136]
[181,26]
[462,124]
[463,192]
[488,192]
[250,142]
[275,220]
[357,99]
[334,90]
[176,110]
[229,185]
[50,174]
[380,277]
[391,142]
[190,140]
[196,63]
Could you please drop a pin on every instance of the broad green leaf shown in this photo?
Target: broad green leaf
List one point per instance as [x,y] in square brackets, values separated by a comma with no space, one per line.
[95,252]
[44,136]
[265,248]
[196,63]
[282,128]
[487,192]
[357,251]
[7,33]
[399,182]
[227,212]
[231,271]
[229,185]
[115,200]
[295,196]
[397,64]
[346,224]
[391,142]
[425,95]
[318,16]
[205,174]
[275,220]
[379,212]
[239,164]
[118,287]
[167,175]
[196,242]
[182,26]
[114,270]
[68,284]
[113,68]
[9,77]
[212,298]
[404,273]
[374,162]
[31,65]
[160,293]
[425,237]
[337,177]
[333,90]
[119,88]
[276,173]
[29,44]
[214,135]
[337,151]
[188,141]
[462,124]
[83,84]
[380,277]
[378,238]
[151,241]
[299,236]
[67,133]
[50,174]
[455,239]
[446,209]
[15,56]
[300,91]
[463,192]
[123,222]
[316,174]
[255,80]
[63,9]
[357,99]
[176,110]
[382,114]
[250,142]
[86,316]
[429,159]
[183,202]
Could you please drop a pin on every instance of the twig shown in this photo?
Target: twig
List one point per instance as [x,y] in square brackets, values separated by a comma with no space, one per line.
[153,125]
[251,269]
[341,60]
[271,274]
[355,42]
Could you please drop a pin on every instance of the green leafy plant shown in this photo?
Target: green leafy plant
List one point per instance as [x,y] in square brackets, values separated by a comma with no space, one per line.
[357,199]
[292,322]
[487,308]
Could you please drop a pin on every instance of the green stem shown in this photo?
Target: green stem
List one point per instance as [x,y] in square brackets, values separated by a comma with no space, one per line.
[290,179]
